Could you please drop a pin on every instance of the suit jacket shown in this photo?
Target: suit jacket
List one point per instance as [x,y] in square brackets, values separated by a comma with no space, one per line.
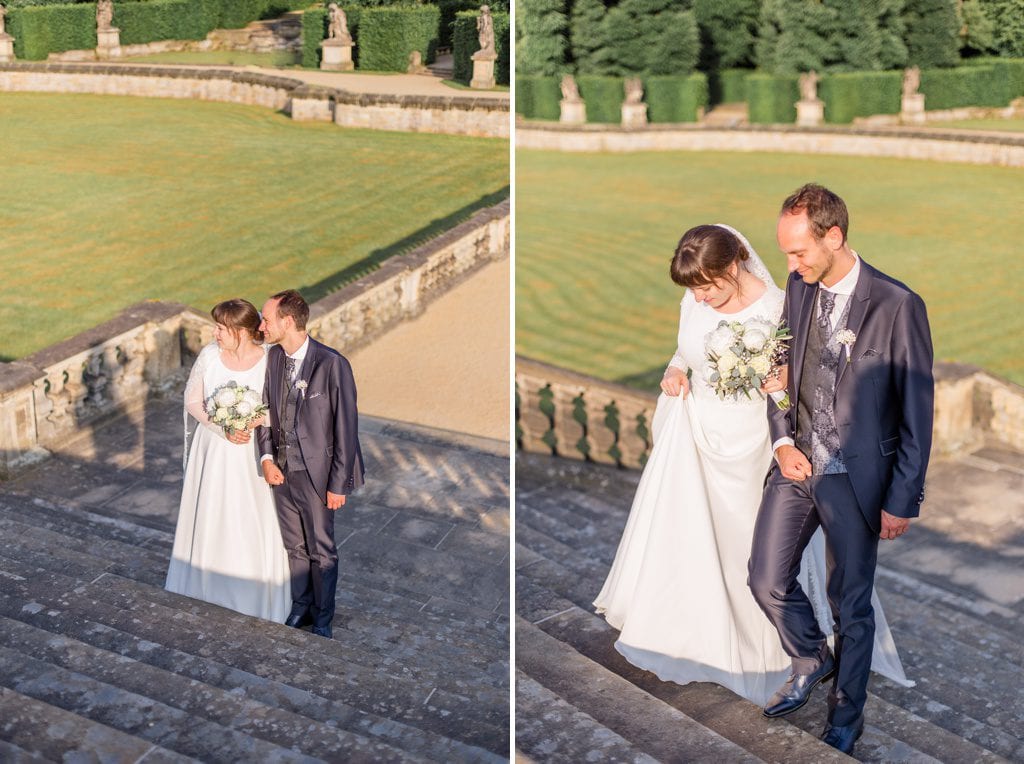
[327,424]
[884,394]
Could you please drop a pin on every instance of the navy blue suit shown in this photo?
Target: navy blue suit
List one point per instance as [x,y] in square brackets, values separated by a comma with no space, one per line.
[884,399]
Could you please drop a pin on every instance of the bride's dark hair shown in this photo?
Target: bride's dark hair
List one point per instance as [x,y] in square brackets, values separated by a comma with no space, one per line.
[238,314]
[704,255]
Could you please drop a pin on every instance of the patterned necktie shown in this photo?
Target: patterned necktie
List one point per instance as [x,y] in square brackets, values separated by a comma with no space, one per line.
[826,301]
[289,371]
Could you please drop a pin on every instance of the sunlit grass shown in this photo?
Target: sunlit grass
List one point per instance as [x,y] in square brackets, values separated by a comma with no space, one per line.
[107,201]
[595,234]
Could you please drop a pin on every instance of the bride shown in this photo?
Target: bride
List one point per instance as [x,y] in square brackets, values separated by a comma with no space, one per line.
[677,590]
[227,545]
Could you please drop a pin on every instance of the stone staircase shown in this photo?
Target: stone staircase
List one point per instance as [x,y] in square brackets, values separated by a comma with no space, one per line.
[953,591]
[99,663]
[261,36]
[443,66]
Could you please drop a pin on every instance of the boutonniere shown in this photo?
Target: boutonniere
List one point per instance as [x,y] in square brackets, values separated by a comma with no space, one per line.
[301,385]
[846,339]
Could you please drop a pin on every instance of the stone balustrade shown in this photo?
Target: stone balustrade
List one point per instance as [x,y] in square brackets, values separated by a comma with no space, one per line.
[575,416]
[60,391]
[450,115]
[929,144]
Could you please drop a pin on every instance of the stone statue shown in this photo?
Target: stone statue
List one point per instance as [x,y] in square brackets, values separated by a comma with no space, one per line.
[104,14]
[809,86]
[634,90]
[337,29]
[416,63]
[570,91]
[911,80]
[3,19]
[485,30]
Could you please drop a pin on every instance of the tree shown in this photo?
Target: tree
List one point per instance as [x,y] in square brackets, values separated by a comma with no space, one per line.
[892,52]
[932,35]
[793,36]
[649,37]
[586,35]
[1007,17]
[976,31]
[854,40]
[727,30]
[541,29]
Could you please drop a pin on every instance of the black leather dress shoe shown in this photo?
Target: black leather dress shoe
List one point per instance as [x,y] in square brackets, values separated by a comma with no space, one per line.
[843,738]
[797,690]
[323,631]
[298,620]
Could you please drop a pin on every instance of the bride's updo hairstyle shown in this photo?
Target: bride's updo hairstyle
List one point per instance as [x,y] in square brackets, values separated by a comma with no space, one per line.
[238,314]
[704,256]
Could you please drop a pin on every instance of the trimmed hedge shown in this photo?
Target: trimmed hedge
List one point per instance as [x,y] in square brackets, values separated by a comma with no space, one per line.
[159,20]
[387,35]
[1010,69]
[41,30]
[465,43]
[860,94]
[728,85]
[771,99]
[603,96]
[314,30]
[964,86]
[675,98]
[538,97]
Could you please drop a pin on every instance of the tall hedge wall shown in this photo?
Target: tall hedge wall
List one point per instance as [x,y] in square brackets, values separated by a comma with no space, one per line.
[675,98]
[860,94]
[41,30]
[538,97]
[964,86]
[771,99]
[159,20]
[603,97]
[465,43]
[388,34]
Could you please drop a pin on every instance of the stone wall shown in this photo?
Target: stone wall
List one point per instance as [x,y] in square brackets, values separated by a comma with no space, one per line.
[903,143]
[64,389]
[453,115]
[566,414]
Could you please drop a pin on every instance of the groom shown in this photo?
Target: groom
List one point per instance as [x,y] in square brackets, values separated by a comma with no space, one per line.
[310,453]
[851,452]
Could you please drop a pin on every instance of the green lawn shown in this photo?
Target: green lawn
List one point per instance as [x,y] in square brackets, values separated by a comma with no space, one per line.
[107,201]
[1005,125]
[595,234]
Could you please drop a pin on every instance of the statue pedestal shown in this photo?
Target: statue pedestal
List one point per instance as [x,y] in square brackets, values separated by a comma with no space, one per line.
[108,43]
[912,109]
[483,70]
[572,112]
[6,48]
[634,115]
[810,113]
[337,55]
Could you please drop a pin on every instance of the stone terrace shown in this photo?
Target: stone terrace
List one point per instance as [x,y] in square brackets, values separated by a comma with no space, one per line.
[953,591]
[99,663]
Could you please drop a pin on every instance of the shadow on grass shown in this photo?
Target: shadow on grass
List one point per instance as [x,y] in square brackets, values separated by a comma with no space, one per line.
[645,381]
[370,263]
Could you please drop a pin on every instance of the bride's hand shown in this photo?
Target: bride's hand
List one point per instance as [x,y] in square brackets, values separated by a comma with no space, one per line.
[675,382]
[777,380]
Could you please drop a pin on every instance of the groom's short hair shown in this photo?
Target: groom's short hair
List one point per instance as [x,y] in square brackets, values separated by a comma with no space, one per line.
[290,303]
[824,209]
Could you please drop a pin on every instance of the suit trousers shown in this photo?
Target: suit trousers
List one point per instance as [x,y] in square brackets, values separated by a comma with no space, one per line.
[307,529]
[790,513]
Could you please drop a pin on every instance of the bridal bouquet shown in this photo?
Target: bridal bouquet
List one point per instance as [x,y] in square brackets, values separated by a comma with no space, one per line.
[741,355]
[234,406]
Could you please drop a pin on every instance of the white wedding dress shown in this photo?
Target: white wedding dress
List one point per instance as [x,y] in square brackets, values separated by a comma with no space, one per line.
[227,545]
[677,590]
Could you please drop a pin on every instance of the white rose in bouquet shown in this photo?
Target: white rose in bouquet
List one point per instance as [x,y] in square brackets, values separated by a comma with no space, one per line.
[244,408]
[720,340]
[761,365]
[225,397]
[221,415]
[727,362]
[252,398]
[754,340]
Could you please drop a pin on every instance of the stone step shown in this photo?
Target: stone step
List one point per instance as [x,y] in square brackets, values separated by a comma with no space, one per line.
[201,701]
[239,683]
[36,731]
[272,651]
[647,723]
[882,742]
[133,714]
[553,731]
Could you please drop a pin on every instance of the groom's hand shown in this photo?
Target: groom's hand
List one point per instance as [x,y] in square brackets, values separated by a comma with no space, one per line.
[272,473]
[792,462]
[892,526]
[335,500]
